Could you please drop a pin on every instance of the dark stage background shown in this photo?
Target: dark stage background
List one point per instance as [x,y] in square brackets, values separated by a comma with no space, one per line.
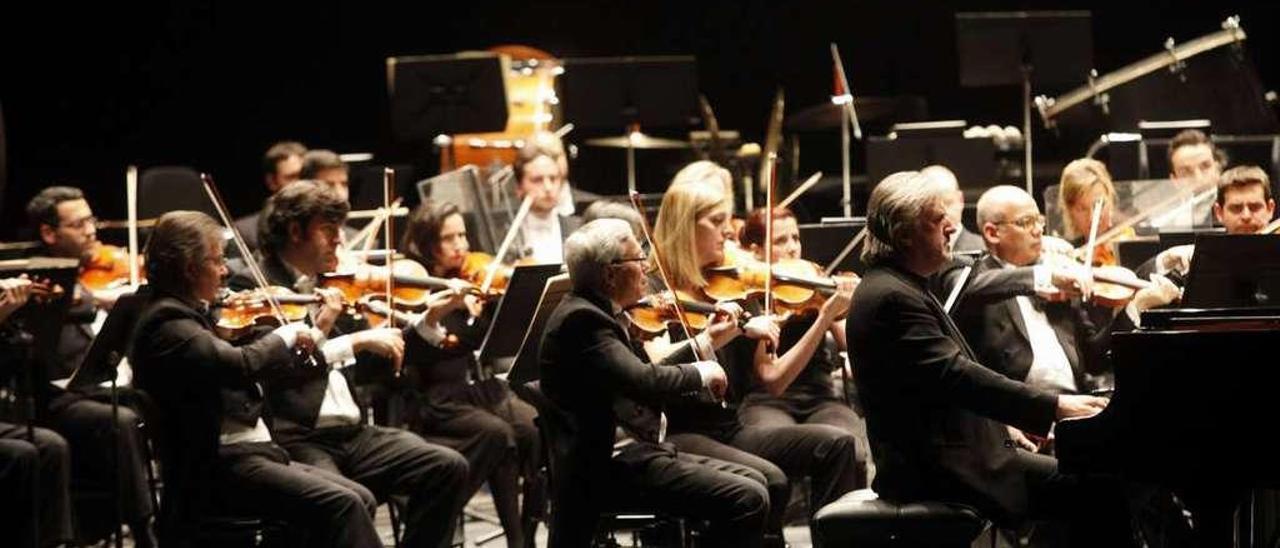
[87,90]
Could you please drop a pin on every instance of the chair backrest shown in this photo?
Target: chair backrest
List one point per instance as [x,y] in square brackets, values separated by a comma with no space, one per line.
[554,425]
[168,188]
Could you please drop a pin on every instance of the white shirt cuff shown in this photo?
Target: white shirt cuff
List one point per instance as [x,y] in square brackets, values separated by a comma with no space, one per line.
[339,352]
[1043,277]
[433,334]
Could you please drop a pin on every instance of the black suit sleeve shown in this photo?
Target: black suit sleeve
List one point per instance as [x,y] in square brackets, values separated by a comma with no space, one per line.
[185,341]
[935,364]
[626,373]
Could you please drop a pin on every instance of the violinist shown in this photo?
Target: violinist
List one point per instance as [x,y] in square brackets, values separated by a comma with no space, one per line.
[600,382]
[316,415]
[1194,161]
[35,473]
[281,165]
[541,171]
[219,455]
[690,232]
[810,397]
[1083,183]
[1243,206]
[1054,346]
[481,418]
[67,227]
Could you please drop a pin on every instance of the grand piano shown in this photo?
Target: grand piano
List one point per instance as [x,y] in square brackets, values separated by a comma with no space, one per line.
[1197,397]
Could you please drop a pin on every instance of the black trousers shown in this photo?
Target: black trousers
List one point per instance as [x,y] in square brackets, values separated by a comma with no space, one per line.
[35,509]
[1086,511]
[259,480]
[732,498]
[388,461]
[494,430]
[790,410]
[86,424]
[824,453]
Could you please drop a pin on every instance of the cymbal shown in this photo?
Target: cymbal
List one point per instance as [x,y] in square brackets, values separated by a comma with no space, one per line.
[636,140]
[827,115]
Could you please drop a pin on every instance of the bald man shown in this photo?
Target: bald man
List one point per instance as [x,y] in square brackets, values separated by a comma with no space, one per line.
[1056,346]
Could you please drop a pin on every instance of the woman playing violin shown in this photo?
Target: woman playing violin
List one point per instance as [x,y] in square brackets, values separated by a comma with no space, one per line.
[810,396]
[690,233]
[482,420]
[1083,183]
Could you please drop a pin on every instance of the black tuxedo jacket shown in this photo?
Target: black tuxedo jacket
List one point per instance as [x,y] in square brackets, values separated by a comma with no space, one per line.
[933,412]
[998,333]
[591,372]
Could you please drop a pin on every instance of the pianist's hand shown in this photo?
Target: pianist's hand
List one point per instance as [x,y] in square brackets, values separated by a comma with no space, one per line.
[1072,406]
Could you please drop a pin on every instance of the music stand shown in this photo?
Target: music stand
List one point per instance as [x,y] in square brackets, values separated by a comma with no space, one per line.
[629,92]
[824,242]
[526,367]
[463,188]
[1044,48]
[1218,278]
[506,331]
[434,95]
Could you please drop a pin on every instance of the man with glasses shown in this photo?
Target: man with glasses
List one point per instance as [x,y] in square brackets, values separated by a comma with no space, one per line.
[66,226]
[1056,346]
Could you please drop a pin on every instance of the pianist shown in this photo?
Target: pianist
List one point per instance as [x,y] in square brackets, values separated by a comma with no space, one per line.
[933,412]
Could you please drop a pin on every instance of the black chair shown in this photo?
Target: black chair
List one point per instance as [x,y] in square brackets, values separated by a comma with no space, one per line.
[209,528]
[650,524]
[860,519]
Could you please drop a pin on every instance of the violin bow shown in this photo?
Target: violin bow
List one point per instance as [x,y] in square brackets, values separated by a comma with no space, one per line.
[388,188]
[647,232]
[131,195]
[258,278]
[1094,219]
[516,223]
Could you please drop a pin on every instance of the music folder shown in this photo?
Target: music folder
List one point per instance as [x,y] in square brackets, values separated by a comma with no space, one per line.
[110,345]
[515,313]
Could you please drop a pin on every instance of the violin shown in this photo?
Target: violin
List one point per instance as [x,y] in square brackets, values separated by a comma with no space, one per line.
[107,268]
[649,316]
[412,284]
[241,311]
[798,285]
[476,267]
[1113,285]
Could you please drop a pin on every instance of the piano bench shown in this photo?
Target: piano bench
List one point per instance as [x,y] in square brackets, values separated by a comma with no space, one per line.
[860,519]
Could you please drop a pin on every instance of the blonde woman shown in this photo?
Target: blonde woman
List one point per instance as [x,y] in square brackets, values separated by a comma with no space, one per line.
[692,227]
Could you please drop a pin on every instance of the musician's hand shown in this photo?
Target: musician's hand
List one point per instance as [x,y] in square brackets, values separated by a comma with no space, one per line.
[763,328]
[838,303]
[106,298]
[713,377]
[1160,293]
[1069,279]
[1175,259]
[441,303]
[724,324]
[1021,440]
[14,292]
[298,335]
[331,306]
[1074,406]
[384,341]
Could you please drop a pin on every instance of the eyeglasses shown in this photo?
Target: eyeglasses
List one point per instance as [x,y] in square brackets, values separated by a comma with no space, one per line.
[639,259]
[80,224]
[1025,223]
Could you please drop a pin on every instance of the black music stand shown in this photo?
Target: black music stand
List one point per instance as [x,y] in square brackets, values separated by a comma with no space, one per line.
[526,366]
[1044,48]
[506,331]
[99,365]
[1218,278]
[434,95]
[824,242]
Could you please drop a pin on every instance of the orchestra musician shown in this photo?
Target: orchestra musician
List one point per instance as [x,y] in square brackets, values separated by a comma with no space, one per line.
[326,165]
[218,454]
[934,412]
[591,372]
[479,417]
[811,396]
[963,240]
[281,165]
[1194,162]
[541,171]
[1056,346]
[1243,206]
[316,414]
[690,233]
[35,473]
[67,227]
